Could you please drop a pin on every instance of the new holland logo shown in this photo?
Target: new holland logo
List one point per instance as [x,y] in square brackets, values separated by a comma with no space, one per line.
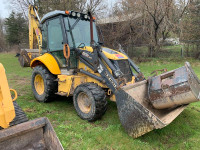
[119,56]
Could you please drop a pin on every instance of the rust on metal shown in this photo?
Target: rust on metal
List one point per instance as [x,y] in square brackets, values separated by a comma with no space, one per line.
[24,59]
[141,105]
[155,72]
[26,55]
[174,88]
[35,134]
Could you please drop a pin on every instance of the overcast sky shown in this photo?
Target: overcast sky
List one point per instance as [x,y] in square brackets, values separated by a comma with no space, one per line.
[5,9]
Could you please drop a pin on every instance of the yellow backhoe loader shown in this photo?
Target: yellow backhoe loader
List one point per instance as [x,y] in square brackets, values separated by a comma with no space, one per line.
[16,132]
[73,62]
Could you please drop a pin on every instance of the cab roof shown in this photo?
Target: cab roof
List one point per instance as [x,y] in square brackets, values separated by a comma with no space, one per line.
[52,14]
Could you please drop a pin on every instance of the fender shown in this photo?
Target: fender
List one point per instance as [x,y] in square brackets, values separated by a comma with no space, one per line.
[47,60]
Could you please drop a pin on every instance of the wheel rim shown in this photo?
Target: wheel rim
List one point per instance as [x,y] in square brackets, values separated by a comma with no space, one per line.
[84,102]
[39,84]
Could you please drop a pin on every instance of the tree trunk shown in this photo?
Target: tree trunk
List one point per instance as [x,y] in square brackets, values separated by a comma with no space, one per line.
[152,50]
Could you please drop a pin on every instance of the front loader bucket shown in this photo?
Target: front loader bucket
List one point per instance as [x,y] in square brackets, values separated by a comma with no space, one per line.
[37,134]
[137,115]
[7,110]
[137,112]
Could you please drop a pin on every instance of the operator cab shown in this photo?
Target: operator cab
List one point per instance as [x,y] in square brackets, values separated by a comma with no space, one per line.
[64,27]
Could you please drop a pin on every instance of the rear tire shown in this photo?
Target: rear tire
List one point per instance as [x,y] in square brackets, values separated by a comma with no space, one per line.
[90,101]
[46,89]
[20,116]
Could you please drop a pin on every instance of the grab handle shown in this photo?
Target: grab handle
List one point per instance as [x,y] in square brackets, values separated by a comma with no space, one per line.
[15,93]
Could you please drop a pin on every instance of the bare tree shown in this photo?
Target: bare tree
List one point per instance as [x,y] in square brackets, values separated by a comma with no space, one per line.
[145,22]
[190,27]
[157,13]
[94,6]
[45,6]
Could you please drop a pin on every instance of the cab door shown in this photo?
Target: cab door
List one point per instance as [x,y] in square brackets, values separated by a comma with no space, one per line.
[56,40]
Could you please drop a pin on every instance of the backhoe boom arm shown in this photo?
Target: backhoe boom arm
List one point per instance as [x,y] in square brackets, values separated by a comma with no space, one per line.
[34,28]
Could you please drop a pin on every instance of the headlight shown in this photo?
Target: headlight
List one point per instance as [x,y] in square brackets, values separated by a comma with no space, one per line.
[78,15]
[73,14]
[85,16]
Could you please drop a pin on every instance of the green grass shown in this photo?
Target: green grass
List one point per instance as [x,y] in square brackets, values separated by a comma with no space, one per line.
[107,133]
[165,52]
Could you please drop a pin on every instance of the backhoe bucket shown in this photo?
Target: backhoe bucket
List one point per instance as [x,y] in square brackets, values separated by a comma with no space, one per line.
[26,56]
[7,111]
[138,113]
[37,134]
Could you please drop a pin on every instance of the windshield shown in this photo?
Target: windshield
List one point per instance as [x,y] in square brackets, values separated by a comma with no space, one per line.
[78,32]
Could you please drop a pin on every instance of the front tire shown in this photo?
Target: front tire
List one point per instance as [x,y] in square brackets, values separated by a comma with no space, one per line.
[90,101]
[43,83]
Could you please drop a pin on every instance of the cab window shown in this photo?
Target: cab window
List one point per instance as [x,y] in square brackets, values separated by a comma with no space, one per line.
[55,35]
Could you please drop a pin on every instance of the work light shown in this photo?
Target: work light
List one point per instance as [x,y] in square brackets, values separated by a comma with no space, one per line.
[78,15]
[85,16]
[73,14]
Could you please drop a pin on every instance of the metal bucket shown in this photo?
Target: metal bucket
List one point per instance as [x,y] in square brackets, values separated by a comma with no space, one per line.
[139,113]
[136,113]
[177,87]
[36,134]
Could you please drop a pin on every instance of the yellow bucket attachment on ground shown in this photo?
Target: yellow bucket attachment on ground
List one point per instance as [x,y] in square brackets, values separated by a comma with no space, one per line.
[7,111]
[139,114]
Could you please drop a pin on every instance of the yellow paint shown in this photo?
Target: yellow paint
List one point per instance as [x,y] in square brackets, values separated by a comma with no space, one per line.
[88,48]
[114,56]
[7,111]
[39,84]
[89,79]
[133,81]
[49,61]
[34,30]
[113,98]
[84,102]
[108,55]
[30,55]
[67,84]
[64,84]
[15,94]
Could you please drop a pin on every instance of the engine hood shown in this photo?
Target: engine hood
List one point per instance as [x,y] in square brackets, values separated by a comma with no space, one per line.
[110,53]
[113,54]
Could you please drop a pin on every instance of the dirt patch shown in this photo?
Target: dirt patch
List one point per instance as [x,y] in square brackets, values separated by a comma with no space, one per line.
[19,80]
[19,84]
[29,110]
[104,125]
